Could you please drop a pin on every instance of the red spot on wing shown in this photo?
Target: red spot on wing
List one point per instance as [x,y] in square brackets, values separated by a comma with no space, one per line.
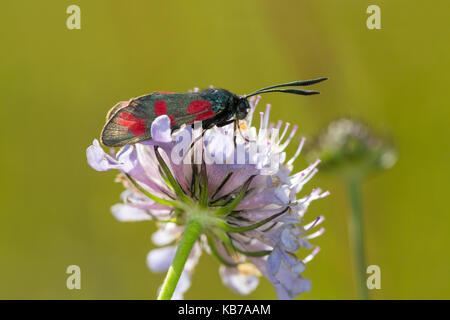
[138,129]
[205,115]
[164,92]
[202,109]
[160,107]
[134,124]
[198,106]
[126,117]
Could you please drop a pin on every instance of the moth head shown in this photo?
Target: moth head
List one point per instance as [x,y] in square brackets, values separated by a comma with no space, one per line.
[242,108]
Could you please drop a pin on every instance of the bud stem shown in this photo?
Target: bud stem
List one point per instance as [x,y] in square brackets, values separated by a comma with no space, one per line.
[356,234]
[190,236]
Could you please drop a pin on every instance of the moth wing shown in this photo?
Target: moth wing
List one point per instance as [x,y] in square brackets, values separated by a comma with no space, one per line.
[114,109]
[127,123]
[185,108]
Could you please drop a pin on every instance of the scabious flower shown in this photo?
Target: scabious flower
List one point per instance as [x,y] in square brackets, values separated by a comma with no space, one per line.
[239,188]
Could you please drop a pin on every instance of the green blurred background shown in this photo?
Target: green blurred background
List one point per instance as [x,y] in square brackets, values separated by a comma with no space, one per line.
[56,86]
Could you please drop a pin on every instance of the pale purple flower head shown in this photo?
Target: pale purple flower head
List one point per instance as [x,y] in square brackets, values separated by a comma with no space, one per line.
[250,198]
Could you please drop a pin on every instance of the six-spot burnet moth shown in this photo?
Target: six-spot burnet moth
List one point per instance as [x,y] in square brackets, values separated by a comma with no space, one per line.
[130,122]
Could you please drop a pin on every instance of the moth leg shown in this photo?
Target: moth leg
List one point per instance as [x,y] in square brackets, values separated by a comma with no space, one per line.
[193,143]
[205,126]
[236,121]
[237,126]
[234,133]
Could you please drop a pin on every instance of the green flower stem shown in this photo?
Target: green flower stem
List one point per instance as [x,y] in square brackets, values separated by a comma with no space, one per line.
[356,233]
[190,236]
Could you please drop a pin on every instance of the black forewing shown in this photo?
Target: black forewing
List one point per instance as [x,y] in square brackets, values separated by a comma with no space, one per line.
[115,134]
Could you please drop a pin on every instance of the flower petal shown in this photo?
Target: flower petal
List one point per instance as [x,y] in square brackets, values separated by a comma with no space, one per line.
[99,160]
[237,281]
[274,262]
[290,286]
[166,234]
[159,260]
[161,131]
[123,212]
[289,239]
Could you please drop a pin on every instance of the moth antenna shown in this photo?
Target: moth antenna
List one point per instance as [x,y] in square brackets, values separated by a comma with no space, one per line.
[288,84]
[292,91]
